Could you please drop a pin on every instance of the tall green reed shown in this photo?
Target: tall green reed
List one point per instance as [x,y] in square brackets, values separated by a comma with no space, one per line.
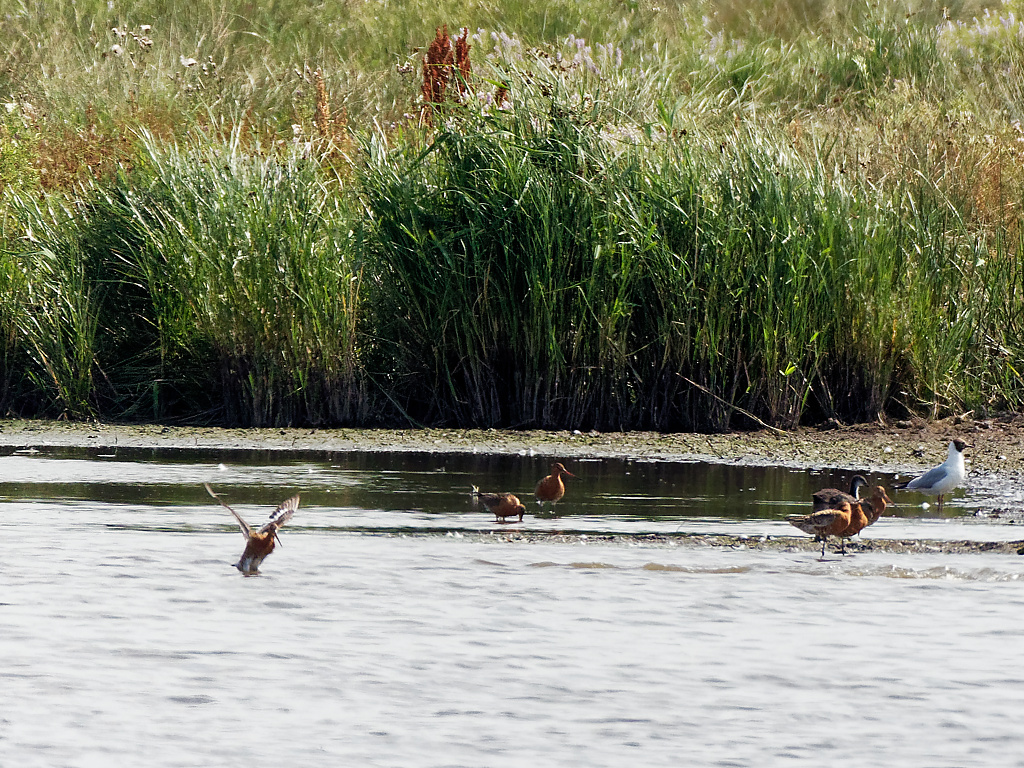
[629,275]
[548,266]
[675,234]
[50,305]
[250,266]
[12,369]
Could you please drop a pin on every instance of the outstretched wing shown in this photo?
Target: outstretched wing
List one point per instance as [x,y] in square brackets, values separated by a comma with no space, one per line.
[246,530]
[281,515]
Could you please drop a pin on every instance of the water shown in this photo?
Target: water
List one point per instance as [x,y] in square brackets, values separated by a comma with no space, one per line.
[128,639]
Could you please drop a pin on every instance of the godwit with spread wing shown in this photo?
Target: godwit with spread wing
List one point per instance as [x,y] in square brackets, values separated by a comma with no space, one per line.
[259,544]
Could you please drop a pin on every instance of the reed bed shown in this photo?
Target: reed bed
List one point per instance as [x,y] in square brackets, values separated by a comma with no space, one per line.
[547,268]
[695,217]
[250,262]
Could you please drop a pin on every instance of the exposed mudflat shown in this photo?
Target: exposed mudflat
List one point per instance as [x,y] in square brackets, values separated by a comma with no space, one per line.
[995,459]
[726,541]
[997,444]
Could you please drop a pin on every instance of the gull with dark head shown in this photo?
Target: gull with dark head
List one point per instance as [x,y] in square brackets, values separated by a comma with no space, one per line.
[943,479]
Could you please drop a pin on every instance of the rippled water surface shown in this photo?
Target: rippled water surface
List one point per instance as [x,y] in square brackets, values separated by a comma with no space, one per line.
[127,638]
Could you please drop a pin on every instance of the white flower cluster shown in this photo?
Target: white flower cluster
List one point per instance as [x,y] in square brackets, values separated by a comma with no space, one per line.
[985,38]
[125,38]
[574,52]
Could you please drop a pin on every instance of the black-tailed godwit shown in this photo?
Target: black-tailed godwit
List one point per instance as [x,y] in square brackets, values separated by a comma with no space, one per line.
[259,544]
[503,505]
[824,523]
[551,488]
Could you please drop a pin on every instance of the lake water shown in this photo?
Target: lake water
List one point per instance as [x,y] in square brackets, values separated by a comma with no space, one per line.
[127,638]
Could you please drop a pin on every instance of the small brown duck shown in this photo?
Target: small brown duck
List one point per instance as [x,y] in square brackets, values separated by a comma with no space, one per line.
[503,505]
[551,488]
[260,543]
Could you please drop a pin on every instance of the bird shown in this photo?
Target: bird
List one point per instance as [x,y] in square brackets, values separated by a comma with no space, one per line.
[551,488]
[824,523]
[503,505]
[866,512]
[944,478]
[259,544]
[877,503]
[858,522]
[827,498]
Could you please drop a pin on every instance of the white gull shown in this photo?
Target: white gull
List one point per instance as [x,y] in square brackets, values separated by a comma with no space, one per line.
[944,478]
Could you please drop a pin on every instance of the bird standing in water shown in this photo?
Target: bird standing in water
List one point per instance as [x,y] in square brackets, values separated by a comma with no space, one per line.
[946,477]
[827,498]
[551,488]
[259,544]
[844,520]
[866,512]
[876,504]
[503,505]
[824,523]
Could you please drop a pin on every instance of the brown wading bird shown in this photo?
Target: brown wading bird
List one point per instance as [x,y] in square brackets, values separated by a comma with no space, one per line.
[828,498]
[825,523]
[864,513]
[551,488]
[873,507]
[858,522]
[503,505]
[260,543]
[845,520]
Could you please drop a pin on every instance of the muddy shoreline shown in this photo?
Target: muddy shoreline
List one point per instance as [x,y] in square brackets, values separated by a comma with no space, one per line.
[995,460]
[997,445]
[716,540]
